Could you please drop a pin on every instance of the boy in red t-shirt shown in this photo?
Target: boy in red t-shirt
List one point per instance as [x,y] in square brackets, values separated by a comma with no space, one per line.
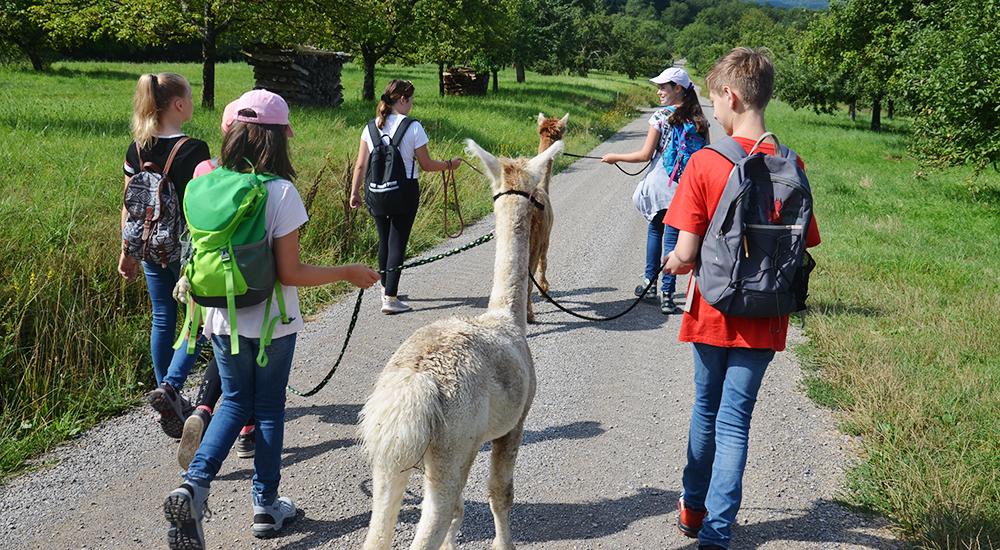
[730,353]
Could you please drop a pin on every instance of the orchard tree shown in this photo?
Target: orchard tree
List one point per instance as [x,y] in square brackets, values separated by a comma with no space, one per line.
[21,27]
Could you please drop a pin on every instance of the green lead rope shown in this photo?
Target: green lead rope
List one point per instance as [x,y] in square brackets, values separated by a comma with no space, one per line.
[228,258]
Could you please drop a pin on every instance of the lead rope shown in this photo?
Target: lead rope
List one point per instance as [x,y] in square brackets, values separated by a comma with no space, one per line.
[641,170]
[448,179]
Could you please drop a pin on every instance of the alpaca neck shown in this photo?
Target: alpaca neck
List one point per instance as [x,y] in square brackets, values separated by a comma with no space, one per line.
[544,143]
[510,269]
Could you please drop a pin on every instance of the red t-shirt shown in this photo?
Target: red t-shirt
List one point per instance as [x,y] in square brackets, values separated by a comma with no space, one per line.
[691,210]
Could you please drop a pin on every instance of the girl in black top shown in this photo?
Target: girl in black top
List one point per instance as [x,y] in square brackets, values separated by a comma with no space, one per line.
[161,105]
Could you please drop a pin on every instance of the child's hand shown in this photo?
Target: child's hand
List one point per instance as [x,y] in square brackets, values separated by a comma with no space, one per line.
[360,275]
[674,266]
[355,199]
[609,158]
[127,266]
[456,162]
[181,289]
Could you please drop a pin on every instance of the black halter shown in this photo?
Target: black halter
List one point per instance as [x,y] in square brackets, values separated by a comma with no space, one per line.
[528,196]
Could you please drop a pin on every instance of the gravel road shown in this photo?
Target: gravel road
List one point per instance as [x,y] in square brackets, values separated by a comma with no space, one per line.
[604,444]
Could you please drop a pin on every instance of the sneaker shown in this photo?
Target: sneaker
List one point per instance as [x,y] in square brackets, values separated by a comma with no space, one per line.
[668,306]
[246,442]
[392,305]
[269,520]
[689,520]
[184,508]
[639,289]
[173,409]
[194,430]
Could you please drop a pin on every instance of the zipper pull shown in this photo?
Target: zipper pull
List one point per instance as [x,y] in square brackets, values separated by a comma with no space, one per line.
[746,247]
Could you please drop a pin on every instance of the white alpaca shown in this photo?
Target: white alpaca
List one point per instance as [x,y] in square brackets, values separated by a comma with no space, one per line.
[458,383]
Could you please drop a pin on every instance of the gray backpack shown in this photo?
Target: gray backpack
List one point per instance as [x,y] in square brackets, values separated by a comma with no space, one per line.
[152,231]
[753,261]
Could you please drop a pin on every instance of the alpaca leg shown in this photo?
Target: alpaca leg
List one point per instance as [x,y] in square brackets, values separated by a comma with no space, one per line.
[501,485]
[451,539]
[532,268]
[543,262]
[444,480]
[387,497]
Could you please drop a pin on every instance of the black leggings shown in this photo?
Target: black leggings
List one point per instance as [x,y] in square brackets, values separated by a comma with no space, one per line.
[393,233]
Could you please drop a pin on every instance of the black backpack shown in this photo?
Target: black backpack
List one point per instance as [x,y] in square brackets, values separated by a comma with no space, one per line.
[389,186]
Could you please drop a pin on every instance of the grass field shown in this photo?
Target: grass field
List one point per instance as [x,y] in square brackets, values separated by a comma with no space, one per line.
[74,336]
[904,326]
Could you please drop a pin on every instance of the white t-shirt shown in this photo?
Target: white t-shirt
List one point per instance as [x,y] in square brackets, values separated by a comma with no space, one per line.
[285,213]
[415,137]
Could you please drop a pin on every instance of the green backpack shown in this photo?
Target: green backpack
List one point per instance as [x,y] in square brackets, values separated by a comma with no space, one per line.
[231,264]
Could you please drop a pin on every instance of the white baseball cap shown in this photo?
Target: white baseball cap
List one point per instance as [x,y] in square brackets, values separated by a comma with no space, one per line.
[676,75]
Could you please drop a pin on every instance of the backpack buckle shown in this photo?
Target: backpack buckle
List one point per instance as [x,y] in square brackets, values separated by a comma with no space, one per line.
[224,253]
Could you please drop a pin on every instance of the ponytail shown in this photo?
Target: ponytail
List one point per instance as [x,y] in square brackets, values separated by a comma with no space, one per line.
[395,90]
[690,110]
[153,93]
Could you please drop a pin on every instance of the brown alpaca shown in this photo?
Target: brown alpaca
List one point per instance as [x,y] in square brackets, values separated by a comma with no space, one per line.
[550,130]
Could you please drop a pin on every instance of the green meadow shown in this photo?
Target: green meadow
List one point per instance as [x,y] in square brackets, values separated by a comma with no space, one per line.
[904,325]
[74,335]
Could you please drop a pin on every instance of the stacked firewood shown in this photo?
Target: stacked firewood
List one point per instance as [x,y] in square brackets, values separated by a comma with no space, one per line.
[302,75]
[465,81]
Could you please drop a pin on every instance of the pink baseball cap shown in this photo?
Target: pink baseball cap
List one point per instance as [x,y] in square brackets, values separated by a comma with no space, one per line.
[267,107]
[229,114]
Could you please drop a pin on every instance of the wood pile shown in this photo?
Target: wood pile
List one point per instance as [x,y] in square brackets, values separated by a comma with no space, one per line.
[465,81]
[301,75]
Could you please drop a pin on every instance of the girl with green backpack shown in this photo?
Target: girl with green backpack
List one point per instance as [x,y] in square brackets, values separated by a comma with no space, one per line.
[250,196]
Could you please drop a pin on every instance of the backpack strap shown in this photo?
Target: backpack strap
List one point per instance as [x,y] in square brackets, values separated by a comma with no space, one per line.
[267,329]
[729,148]
[374,133]
[138,153]
[777,144]
[173,153]
[397,138]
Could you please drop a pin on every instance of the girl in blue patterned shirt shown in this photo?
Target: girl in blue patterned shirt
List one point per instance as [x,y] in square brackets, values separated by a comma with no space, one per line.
[676,130]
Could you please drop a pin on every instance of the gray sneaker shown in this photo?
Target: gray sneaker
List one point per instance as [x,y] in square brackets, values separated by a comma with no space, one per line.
[269,520]
[184,508]
[246,444]
[173,409]
[668,306]
[639,289]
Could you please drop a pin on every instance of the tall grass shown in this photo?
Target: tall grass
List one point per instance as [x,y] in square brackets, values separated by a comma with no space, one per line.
[904,325]
[74,335]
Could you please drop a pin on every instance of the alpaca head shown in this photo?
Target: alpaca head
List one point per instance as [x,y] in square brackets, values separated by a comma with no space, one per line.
[552,129]
[517,174]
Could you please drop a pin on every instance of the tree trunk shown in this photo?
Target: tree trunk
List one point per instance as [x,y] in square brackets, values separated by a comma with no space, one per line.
[208,55]
[441,79]
[890,109]
[852,108]
[877,114]
[496,82]
[368,91]
[519,71]
[34,54]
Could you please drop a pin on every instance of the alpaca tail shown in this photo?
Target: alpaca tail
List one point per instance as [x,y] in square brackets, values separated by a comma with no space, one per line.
[399,418]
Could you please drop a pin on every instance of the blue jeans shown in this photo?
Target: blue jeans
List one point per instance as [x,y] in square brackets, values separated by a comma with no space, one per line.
[726,381]
[660,240]
[160,281]
[248,390]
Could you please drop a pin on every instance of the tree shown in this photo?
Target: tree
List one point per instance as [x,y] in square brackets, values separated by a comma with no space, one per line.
[372,30]
[21,27]
[153,22]
[948,75]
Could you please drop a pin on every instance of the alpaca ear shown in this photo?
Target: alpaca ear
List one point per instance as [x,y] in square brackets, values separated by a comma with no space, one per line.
[564,120]
[540,163]
[490,163]
[541,118]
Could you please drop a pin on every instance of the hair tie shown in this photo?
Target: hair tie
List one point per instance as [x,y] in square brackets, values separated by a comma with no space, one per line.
[153,79]
[386,99]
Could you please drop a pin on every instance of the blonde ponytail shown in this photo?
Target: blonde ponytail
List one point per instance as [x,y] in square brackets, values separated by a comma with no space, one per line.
[395,90]
[153,93]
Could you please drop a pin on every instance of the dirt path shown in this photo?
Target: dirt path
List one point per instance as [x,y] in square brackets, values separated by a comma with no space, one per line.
[605,441]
